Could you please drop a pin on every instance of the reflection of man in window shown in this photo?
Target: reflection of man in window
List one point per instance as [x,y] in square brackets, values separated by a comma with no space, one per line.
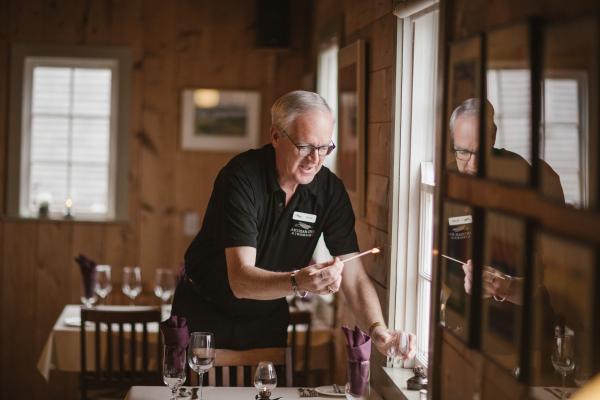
[464,131]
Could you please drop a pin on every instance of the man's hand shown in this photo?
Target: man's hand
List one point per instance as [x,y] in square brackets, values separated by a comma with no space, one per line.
[394,343]
[495,283]
[322,278]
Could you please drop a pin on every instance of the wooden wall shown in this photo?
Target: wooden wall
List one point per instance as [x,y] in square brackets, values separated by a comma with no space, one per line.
[175,45]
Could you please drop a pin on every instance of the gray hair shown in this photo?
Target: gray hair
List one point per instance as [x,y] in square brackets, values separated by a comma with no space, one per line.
[472,108]
[291,105]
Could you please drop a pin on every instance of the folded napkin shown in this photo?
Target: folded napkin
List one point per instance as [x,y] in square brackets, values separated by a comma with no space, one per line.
[358,347]
[88,274]
[177,336]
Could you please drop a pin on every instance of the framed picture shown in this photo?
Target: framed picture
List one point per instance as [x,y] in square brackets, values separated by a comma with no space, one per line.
[508,89]
[219,120]
[503,278]
[464,85]
[564,332]
[351,123]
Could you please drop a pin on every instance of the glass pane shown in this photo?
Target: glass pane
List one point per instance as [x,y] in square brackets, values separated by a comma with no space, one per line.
[457,249]
[51,90]
[91,91]
[502,295]
[48,182]
[49,139]
[509,93]
[91,139]
[563,302]
[462,144]
[569,127]
[424,297]
[89,187]
[426,231]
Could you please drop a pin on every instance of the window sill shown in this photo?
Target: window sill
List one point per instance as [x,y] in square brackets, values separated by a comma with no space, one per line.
[395,384]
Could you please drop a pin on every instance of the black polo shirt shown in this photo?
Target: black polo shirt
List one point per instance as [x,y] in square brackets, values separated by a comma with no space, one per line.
[247,208]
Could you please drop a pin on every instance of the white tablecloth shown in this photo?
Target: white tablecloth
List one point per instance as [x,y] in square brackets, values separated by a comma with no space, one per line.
[210,393]
[61,350]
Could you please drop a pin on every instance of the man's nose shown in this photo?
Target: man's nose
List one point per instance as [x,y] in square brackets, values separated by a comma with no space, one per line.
[314,154]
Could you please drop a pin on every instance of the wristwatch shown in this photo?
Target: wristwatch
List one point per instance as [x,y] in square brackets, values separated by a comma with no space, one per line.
[295,288]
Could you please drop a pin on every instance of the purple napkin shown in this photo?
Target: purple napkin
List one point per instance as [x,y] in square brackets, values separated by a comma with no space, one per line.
[176,335]
[88,274]
[359,350]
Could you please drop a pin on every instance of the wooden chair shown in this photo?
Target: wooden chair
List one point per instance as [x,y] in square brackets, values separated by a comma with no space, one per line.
[105,374]
[301,318]
[237,367]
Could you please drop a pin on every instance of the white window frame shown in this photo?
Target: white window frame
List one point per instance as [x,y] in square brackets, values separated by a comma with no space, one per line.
[327,87]
[24,59]
[409,178]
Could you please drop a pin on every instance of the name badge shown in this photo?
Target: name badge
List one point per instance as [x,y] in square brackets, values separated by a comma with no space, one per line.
[464,219]
[304,217]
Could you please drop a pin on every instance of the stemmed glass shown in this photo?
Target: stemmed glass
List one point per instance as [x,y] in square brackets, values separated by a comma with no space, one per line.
[174,368]
[164,285]
[103,281]
[132,282]
[563,358]
[201,354]
[265,379]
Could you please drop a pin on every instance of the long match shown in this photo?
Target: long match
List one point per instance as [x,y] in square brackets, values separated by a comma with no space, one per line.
[374,250]
[461,262]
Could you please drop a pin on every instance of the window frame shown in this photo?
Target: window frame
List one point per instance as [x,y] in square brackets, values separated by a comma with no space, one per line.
[23,58]
[405,271]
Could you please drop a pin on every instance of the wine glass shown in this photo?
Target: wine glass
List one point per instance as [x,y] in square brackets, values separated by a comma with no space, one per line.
[164,284]
[265,379]
[103,282]
[174,368]
[563,359]
[201,354]
[132,282]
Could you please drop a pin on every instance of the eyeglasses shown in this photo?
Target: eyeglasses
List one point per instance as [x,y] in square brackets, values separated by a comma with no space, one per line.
[307,149]
[464,155]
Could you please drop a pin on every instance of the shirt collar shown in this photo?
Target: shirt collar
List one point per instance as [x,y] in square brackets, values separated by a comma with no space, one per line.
[273,183]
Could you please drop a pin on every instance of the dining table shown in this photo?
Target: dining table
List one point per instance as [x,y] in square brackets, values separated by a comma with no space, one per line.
[229,393]
[61,350]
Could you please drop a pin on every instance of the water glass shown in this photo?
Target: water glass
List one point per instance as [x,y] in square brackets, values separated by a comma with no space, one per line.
[265,379]
[201,354]
[103,281]
[88,302]
[359,375]
[132,282]
[174,358]
[563,356]
[164,284]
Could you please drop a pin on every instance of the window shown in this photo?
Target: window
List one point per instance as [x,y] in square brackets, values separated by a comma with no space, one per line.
[66,140]
[327,70]
[413,172]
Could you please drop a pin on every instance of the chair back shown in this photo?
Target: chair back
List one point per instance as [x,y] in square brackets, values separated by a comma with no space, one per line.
[119,366]
[301,318]
[237,367]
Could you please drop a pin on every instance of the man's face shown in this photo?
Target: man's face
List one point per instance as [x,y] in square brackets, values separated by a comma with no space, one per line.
[313,128]
[466,139]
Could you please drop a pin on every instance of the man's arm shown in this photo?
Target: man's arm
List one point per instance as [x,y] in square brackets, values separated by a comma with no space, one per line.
[362,298]
[250,282]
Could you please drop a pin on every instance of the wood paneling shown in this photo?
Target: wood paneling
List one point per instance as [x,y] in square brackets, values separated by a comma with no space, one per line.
[174,45]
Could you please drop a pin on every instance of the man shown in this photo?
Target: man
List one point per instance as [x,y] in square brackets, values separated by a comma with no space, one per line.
[464,131]
[267,210]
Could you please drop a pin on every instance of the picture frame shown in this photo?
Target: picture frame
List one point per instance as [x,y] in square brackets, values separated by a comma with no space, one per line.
[464,77]
[351,123]
[219,119]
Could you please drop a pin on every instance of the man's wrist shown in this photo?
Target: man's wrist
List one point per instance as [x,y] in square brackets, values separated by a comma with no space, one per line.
[295,287]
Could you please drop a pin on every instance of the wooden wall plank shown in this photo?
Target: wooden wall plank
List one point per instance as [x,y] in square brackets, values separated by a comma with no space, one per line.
[379,148]
[380,86]
[19,308]
[377,201]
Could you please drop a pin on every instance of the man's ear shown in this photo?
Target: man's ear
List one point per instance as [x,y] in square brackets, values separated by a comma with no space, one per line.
[274,135]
